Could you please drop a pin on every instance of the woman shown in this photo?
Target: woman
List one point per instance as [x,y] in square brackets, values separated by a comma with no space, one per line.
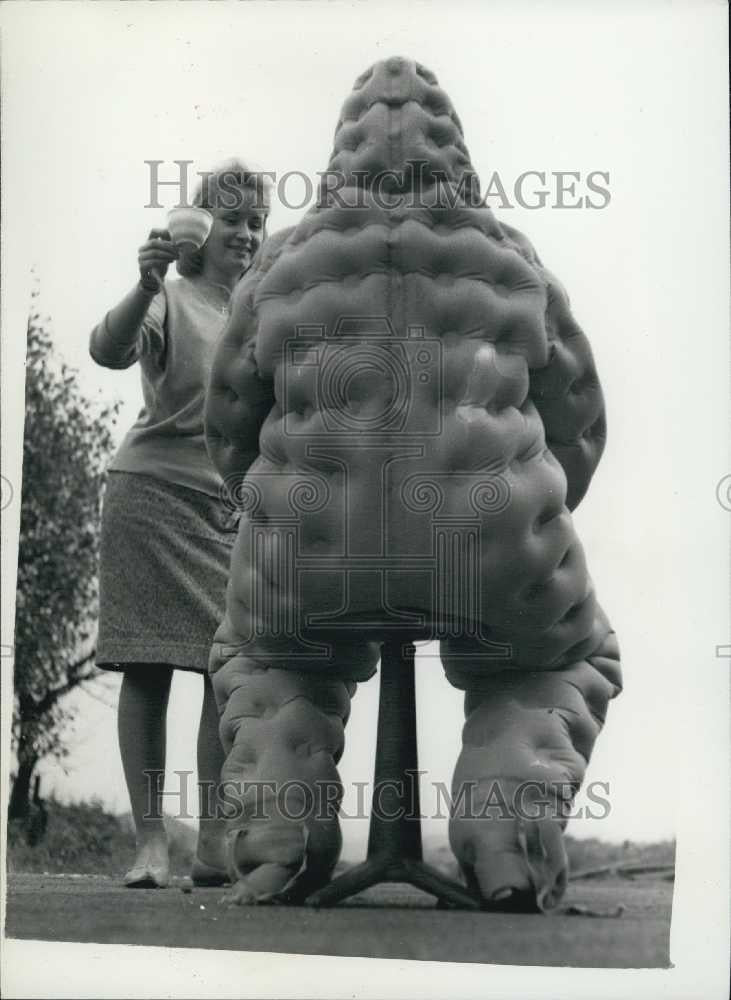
[166,534]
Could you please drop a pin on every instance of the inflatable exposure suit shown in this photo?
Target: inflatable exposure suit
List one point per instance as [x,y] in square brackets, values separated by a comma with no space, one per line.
[418,412]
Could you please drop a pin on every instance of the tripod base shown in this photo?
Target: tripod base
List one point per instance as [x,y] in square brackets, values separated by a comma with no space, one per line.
[384,868]
[394,842]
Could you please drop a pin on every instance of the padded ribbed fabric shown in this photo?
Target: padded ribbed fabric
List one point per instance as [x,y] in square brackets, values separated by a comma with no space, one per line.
[418,412]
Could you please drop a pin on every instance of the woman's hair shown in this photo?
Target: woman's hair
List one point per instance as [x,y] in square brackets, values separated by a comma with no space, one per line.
[226,186]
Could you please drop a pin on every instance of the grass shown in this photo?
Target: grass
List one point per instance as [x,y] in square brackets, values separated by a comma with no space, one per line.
[82,838]
[582,854]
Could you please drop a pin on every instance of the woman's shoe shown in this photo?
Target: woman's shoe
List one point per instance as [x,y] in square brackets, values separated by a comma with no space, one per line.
[147,877]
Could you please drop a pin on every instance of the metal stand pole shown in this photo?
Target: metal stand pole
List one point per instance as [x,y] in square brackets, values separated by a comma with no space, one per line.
[394,841]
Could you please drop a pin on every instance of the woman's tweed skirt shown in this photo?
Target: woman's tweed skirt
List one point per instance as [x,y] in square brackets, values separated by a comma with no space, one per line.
[164,563]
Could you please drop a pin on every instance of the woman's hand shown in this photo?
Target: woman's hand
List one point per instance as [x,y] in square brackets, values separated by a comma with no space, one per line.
[154,258]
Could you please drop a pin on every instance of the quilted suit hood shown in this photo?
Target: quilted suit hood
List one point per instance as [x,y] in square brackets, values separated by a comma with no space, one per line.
[399,129]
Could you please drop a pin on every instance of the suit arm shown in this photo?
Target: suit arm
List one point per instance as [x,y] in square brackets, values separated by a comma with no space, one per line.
[566,391]
[568,396]
[238,400]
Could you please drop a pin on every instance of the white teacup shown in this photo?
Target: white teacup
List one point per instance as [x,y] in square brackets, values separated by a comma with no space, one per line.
[190,225]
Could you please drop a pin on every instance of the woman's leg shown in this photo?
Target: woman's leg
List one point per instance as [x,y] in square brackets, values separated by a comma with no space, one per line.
[210,852]
[143,703]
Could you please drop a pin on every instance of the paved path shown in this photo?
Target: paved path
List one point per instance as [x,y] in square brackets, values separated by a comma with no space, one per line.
[390,921]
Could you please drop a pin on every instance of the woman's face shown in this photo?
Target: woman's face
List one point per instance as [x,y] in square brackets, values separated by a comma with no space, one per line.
[236,234]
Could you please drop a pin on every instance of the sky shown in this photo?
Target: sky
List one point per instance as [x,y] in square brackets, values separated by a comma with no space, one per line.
[634,92]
